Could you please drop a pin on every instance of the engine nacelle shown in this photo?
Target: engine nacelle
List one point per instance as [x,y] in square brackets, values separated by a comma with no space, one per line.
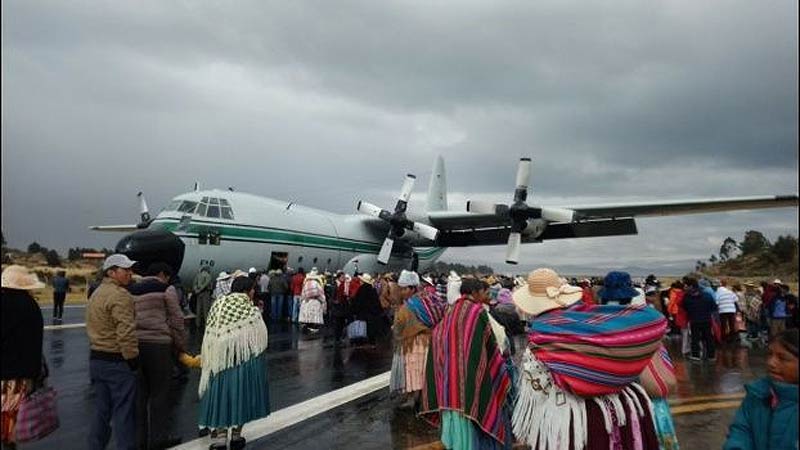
[535,228]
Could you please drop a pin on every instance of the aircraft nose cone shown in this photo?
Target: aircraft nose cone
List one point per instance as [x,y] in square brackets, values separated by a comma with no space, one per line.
[149,246]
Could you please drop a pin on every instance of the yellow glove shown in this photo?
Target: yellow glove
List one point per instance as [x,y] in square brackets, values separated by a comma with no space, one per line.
[193,362]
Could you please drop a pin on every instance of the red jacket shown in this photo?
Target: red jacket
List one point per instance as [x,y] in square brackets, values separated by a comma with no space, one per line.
[296,285]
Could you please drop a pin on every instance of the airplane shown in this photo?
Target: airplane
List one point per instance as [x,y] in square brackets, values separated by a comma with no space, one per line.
[226,229]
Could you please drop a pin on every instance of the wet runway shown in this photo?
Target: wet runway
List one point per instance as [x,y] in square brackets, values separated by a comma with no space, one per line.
[703,406]
[302,368]
[299,368]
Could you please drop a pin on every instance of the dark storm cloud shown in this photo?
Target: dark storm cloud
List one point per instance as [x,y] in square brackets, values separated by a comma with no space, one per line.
[326,103]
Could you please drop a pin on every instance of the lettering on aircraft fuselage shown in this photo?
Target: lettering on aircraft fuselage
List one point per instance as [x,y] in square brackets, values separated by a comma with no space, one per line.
[207,262]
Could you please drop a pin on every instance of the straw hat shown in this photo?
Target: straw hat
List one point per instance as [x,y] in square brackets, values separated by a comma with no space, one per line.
[223,276]
[545,291]
[18,277]
[366,278]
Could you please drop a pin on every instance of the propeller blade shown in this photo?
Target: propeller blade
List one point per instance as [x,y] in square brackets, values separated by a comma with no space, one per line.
[481,207]
[408,185]
[523,172]
[512,251]
[369,209]
[558,214]
[386,251]
[426,231]
[144,213]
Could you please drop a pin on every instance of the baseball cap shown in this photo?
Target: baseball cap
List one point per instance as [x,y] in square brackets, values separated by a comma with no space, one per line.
[118,260]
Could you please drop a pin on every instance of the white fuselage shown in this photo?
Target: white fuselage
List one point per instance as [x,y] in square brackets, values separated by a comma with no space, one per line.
[257,229]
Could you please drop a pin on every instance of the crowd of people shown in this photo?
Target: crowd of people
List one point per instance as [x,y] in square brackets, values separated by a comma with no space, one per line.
[591,371]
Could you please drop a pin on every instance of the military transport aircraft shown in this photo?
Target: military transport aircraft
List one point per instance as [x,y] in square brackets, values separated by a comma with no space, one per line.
[225,230]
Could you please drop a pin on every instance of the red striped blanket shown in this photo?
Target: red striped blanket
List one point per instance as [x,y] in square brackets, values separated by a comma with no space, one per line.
[597,350]
[465,371]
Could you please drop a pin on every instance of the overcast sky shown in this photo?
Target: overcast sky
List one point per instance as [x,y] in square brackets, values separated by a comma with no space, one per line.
[324,103]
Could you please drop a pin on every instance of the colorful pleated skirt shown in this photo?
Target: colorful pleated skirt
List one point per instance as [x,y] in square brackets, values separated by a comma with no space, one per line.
[236,396]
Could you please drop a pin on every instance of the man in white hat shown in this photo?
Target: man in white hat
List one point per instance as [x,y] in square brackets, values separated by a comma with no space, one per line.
[114,355]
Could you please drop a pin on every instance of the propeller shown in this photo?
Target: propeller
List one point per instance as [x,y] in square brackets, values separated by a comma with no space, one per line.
[519,212]
[397,219]
[144,213]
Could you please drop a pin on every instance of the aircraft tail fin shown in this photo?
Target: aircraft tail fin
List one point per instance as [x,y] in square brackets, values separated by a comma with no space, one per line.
[437,187]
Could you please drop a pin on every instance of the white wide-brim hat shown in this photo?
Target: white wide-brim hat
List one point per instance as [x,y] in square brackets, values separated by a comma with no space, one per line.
[18,277]
[545,291]
[366,278]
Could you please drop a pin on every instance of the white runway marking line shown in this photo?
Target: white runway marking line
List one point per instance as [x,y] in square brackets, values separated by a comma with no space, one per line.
[299,412]
[64,327]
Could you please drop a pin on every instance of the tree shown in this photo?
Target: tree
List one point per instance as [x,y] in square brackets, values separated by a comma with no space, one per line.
[52,258]
[713,259]
[785,248]
[729,249]
[34,247]
[754,243]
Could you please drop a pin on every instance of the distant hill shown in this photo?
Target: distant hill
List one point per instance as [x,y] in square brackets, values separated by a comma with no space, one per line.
[755,256]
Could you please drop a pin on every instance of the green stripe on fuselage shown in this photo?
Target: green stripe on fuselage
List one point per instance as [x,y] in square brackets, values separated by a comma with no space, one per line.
[233,232]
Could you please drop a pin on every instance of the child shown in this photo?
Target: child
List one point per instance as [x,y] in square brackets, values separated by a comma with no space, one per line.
[767,418]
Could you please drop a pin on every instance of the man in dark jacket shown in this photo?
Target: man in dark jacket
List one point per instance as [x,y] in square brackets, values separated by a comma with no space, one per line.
[60,289]
[160,330]
[699,306]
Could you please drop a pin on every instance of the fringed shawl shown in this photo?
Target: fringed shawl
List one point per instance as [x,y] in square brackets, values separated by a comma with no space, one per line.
[235,333]
[465,371]
[597,350]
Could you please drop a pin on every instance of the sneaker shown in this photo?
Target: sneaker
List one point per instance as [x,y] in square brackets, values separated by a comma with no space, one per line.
[694,358]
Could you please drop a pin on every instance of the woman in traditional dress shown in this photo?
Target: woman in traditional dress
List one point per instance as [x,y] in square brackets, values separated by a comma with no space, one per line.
[234,387]
[577,385]
[411,329]
[366,306]
[467,390]
[22,344]
[312,302]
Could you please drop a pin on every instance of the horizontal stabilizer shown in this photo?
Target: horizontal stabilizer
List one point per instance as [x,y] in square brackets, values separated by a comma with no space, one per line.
[115,228]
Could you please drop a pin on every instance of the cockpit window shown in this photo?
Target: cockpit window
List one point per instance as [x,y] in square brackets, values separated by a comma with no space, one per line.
[213,211]
[173,205]
[207,207]
[187,206]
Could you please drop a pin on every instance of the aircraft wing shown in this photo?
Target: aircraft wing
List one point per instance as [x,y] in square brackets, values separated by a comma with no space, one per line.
[462,229]
[678,207]
[115,228]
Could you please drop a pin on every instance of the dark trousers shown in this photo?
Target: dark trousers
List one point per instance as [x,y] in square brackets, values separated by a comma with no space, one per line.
[701,332]
[152,399]
[115,402]
[728,325]
[58,304]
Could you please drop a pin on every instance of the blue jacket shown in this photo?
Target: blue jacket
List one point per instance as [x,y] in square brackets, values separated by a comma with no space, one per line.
[760,426]
[699,305]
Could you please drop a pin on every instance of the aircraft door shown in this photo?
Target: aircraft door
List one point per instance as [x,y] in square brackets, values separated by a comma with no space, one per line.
[278,260]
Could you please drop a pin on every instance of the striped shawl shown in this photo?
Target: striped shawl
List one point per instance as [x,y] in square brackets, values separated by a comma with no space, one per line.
[465,371]
[597,350]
